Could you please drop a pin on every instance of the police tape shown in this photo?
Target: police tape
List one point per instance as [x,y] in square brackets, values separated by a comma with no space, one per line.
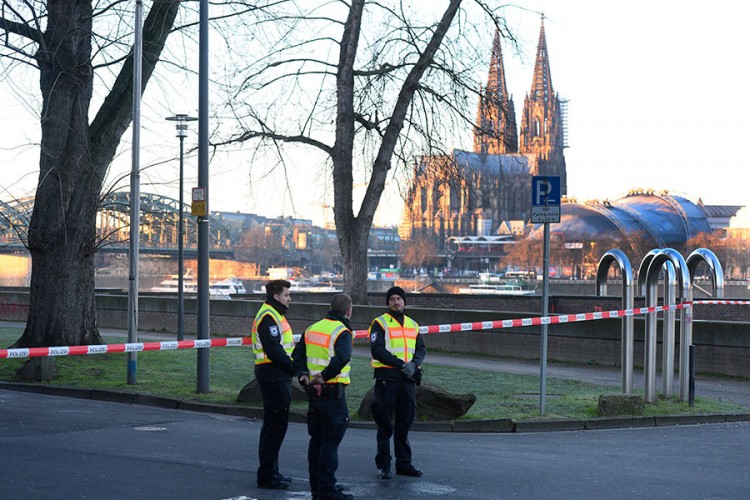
[78,350]
[549,320]
[721,302]
[31,352]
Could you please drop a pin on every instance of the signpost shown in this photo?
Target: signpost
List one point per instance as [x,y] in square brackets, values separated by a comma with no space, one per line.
[545,208]
[545,199]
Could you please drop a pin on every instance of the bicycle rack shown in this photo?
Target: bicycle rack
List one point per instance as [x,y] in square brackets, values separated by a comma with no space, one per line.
[679,275]
[686,331]
[616,256]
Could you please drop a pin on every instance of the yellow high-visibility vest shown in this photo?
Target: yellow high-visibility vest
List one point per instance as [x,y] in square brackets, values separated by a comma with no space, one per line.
[287,340]
[399,340]
[320,339]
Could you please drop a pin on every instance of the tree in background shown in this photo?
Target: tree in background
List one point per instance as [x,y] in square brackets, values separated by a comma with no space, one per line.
[62,39]
[524,254]
[367,84]
[260,246]
[738,254]
[729,246]
[419,252]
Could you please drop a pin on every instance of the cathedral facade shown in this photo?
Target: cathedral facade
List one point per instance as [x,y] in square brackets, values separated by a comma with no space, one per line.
[470,193]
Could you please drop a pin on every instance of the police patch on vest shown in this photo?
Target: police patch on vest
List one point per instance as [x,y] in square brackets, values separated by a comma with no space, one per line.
[274,331]
[373,336]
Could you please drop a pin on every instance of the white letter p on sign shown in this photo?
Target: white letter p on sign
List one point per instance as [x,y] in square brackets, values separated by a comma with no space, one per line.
[543,189]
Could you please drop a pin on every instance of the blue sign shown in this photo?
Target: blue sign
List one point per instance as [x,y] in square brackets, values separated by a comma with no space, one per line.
[545,198]
[545,190]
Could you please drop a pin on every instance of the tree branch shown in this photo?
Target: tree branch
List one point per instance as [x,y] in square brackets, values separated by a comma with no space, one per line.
[257,134]
[411,84]
[116,112]
[21,29]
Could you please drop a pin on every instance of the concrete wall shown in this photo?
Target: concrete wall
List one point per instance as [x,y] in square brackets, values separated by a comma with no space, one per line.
[721,346]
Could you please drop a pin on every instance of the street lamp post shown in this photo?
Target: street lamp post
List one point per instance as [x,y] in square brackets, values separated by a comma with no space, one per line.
[181,127]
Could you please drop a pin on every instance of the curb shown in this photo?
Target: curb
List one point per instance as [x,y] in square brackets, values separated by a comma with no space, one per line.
[467,426]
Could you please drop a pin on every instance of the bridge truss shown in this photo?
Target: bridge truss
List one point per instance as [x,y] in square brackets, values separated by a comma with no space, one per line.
[158,228]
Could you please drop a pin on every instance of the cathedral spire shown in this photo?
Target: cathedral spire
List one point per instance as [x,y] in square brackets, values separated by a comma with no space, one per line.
[495,131]
[496,79]
[541,86]
[542,122]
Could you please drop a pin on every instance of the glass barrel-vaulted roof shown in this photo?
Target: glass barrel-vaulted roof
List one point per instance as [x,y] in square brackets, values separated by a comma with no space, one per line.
[662,220]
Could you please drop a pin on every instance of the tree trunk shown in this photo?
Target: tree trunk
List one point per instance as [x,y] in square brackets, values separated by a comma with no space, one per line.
[353,244]
[353,232]
[62,230]
[73,162]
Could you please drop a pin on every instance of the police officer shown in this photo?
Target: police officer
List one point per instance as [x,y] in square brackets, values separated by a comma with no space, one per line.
[272,347]
[321,362]
[397,352]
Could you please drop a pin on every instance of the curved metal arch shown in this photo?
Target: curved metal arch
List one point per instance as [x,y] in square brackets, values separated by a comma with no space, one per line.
[16,215]
[643,269]
[680,211]
[643,221]
[607,212]
[714,266]
[686,333]
[14,220]
[158,204]
[149,203]
[610,257]
[682,280]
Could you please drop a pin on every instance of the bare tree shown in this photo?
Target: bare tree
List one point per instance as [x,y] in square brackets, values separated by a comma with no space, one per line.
[82,51]
[729,246]
[525,254]
[738,254]
[401,86]
[59,39]
[419,252]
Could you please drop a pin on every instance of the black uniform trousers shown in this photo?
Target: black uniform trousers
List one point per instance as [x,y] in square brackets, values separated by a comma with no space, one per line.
[327,420]
[394,399]
[277,396]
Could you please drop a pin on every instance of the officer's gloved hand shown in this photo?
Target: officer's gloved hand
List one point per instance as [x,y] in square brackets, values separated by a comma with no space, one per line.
[408,369]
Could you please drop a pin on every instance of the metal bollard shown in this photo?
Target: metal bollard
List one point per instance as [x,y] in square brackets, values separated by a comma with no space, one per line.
[691,381]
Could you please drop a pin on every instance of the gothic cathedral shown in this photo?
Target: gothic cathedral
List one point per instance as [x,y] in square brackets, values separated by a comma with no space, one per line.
[473,193]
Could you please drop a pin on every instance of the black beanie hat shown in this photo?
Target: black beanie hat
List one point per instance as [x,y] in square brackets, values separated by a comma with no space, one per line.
[395,290]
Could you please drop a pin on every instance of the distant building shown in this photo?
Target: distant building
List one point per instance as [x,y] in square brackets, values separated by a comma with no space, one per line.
[639,222]
[477,192]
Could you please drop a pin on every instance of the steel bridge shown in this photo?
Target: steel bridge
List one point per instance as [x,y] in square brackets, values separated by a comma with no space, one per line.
[159,232]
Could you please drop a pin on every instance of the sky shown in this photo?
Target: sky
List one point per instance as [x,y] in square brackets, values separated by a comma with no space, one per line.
[657,97]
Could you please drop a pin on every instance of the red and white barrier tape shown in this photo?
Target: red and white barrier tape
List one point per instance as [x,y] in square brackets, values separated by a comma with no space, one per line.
[721,302]
[131,347]
[240,341]
[548,320]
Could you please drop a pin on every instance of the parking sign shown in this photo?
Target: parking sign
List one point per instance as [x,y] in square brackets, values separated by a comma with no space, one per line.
[545,199]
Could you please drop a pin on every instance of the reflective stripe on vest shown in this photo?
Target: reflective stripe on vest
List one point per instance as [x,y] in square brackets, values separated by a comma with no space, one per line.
[287,340]
[320,341]
[399,340]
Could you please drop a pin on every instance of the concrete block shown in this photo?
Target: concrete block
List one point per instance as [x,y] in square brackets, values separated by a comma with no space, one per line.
[620,404]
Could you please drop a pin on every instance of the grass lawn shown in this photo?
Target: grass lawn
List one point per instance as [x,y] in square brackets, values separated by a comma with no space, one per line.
[499,395]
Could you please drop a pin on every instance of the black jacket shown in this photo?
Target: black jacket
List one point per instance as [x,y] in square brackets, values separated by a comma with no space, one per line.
[382,354]
[280,367]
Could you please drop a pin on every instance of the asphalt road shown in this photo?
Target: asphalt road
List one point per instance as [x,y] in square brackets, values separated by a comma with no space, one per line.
[65,448]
